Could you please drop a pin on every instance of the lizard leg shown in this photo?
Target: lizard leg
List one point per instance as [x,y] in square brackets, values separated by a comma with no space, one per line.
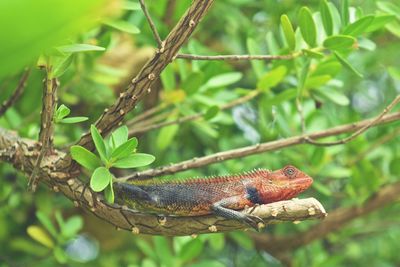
[220,208]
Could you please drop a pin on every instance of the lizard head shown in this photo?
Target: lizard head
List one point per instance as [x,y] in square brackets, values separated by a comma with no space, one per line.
[286,183]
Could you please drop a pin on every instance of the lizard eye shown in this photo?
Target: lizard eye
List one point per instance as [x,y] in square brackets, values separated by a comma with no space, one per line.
[289,171]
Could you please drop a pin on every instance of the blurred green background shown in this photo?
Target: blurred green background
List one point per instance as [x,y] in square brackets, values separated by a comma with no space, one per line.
[96,47]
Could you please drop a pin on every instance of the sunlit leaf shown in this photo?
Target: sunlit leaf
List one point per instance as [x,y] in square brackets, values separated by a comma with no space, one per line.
[85,157]
[134,161]
[101,177]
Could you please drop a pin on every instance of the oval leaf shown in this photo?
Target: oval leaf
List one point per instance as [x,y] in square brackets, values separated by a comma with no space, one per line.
[211,112]
[73,120]
[119,136]
[223,80]
[307,26]
[37,233]
[74,48]
[339,42]
[109,193]
[134,161]
[359,26]
[125,149]
[122,25]
[347,64]
[101,177]
[272,78]
[288,32]
[84,157]
[98,142]
[327,19]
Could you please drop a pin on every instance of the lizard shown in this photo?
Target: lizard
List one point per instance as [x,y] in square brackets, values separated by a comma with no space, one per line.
[219,195]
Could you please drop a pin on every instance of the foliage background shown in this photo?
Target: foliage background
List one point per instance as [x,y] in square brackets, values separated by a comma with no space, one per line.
[344,175]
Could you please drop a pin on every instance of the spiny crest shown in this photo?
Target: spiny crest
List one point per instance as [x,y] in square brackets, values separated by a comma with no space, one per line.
[253,174]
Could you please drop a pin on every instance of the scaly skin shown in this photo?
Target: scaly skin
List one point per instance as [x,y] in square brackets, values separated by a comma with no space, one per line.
[221,195]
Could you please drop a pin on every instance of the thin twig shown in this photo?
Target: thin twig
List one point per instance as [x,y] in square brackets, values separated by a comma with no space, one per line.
[359,131]
[49,103]
[259,148]
[17,93]
[193,117]
[147,113]
[151,23]
[236,57]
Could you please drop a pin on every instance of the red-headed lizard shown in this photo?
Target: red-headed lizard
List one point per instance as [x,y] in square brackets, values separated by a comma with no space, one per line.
[220,195]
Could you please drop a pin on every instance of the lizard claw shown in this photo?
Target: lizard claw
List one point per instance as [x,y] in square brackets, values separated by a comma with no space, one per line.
[254,222]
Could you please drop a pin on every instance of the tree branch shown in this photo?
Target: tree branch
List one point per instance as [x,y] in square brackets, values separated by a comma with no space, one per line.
[17,93]
[22,154]
[336,220]
[236,57]
[151,23]
[49,103]
[150,72]
[259,148]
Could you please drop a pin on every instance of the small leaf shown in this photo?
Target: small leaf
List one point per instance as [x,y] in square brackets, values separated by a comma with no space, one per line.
[47,223]
[347,64]
[60,66]
[333,95]
[272,78]
[288,32]
[339,42]
[344,12]
[166,136]
[124,149]
[73,120]
[101,177]
[254,49]
[84,157]
[62,112]
[119,136]
[72,226]
[193,82]
[98,142]
[191,250]
[74,48]
[223,80]
[313,54]
[122,26]
[211,112]
[40,235]
[317,81]
[134,161]
[327,19]
[359,26]
[390,8]
[307,26]
[60,255]
[109,193]
[379,22]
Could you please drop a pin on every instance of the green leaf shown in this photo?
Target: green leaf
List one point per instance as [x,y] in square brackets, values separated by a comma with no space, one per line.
[99,142]
[101,177]
[333,95]
[47,223]
[307,26]
[166,136]
[60,65]
[339,42]
[62,112]
[389,7]
[73,120]
[127,5]
[211,112]
[317,81]
[323,189]
[40,235]
[313,54]
[272,78]
[124,149]
[379,22]
[168,78]
[75,48]
[119,136]
[122,25]
[223,80]
[254,49]
[193,82]
[134,161]
[191,250]
[326,16]
[72,226]
[288,32]
[242,239]
[60,255]
[84,157]
[344,12]
[328,68]
[347,64]
[109,193]
[359,26]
